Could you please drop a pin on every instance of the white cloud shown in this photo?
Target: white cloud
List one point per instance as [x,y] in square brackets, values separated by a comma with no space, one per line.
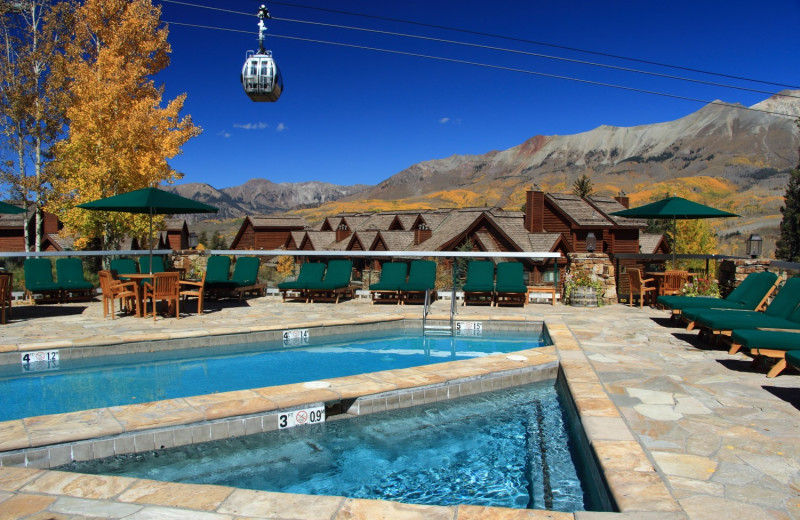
[444,120]
[224,134]
[251,126]
[280,128]
[448,120]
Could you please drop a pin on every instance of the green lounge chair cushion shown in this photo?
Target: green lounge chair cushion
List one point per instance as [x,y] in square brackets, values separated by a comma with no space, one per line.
[124,266]
[393,274]
[793,359]
[337,276]
[69,273]
[480,276]
[746,295]
[510,278]
[158,264]
[218,269]
[729,320]
[245,271]
[310,273]
[421,276]
[786,301]
[39,275]
[766,339]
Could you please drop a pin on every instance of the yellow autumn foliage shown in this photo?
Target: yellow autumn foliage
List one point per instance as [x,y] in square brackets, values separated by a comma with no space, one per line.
[120,137]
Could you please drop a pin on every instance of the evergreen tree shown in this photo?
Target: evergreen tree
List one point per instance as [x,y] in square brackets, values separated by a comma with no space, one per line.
[582,187]
[787,247]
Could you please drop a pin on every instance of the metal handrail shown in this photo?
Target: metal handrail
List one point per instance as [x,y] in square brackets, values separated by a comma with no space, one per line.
[426,309]
[452,311]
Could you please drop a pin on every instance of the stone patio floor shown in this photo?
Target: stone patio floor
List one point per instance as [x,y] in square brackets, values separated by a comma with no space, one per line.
[724,439]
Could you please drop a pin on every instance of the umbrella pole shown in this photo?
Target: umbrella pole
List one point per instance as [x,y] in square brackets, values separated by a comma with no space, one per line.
[150,239]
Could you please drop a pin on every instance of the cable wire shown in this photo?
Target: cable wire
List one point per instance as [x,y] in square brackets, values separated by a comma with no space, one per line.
[533,42]
[493,48]
[537,55]
[496,67]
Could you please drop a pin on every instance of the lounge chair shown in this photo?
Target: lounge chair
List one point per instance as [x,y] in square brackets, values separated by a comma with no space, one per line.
[244,279]
[479,285]
[310,273]
[638,285]
[125,292]
[421,279]
[120,266]
[768,343]
[751,294]
[218,272]
[163,287]
[335,283]
[510,287]
[777,315]
[387,289]
[39,280]
[69,276]
[793,359]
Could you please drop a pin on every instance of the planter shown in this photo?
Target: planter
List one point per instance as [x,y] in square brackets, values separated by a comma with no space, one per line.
[583,297]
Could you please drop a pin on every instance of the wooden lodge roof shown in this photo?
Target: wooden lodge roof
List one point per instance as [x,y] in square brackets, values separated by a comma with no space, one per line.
[578,210]
[397,240]
[492,229]
[608,205]
[278,221]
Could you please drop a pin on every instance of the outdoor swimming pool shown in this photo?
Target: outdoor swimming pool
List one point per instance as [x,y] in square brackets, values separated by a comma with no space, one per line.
[52,387]
[508,448]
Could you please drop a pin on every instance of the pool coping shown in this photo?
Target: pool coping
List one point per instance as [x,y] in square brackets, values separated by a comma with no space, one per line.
[631,478]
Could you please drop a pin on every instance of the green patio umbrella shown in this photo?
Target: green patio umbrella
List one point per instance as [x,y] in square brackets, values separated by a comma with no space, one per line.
[674,208]
[152,201]
[10,209]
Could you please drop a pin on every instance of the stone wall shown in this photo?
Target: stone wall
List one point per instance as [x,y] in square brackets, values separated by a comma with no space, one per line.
[598,267]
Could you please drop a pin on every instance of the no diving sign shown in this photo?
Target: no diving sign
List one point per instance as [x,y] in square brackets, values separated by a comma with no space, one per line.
[300,417]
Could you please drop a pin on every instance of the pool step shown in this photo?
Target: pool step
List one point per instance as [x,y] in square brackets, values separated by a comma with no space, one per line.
[437,330]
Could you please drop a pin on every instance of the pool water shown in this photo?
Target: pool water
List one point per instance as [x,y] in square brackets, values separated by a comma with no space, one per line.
[507,448]
[104,381]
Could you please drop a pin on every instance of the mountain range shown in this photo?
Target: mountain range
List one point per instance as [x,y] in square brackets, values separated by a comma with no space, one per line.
[727,155]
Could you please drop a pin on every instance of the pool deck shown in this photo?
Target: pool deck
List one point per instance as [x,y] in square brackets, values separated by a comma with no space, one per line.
[681,430]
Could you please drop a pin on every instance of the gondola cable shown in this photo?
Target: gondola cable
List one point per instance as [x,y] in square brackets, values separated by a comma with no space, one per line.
[516,51]
[532,42]
[500,67]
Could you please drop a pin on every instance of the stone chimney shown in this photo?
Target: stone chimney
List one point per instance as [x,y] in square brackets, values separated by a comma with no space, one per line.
[534,210]
[342,232]
[422,233]
[623,199]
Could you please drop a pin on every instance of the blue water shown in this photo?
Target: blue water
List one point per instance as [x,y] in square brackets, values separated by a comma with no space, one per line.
[507,448]
[84,384]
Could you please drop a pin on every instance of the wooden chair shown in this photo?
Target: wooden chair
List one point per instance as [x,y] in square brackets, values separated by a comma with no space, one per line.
[125,292]
[5,296]
[193,288]
[163,287]
[674,282]
[639,286]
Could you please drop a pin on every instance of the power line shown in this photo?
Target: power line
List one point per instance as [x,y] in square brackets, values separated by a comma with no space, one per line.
[534,42]
[493,48]
[536,55]
[496,67]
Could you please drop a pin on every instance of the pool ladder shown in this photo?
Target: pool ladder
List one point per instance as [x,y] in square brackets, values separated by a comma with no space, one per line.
[438,330]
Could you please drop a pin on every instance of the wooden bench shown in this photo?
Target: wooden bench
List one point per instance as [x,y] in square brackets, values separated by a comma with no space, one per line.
[546,289]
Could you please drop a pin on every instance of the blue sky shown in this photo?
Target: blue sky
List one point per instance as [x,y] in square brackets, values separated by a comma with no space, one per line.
[350,115]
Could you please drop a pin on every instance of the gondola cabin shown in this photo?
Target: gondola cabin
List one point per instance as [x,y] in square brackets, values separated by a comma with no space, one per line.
[261,77]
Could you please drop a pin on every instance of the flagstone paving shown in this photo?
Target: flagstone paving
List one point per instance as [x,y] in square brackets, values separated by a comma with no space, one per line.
[714,437]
